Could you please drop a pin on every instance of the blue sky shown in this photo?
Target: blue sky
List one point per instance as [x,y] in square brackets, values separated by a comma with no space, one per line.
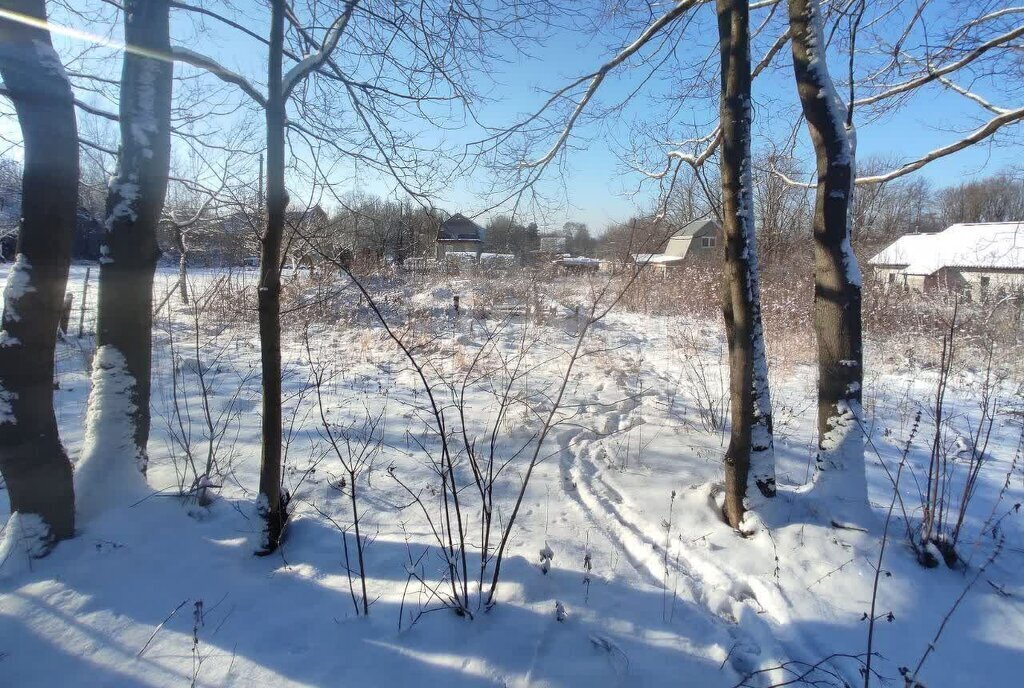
[593,186]
[596,189]
[597,185]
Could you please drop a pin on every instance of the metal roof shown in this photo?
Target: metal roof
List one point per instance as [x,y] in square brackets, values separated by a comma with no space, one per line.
[693,227]
[458,227]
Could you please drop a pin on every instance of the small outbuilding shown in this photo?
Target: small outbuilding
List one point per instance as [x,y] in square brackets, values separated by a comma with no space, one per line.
[577,265]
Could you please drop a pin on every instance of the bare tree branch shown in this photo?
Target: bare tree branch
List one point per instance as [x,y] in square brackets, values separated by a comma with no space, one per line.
[182,54]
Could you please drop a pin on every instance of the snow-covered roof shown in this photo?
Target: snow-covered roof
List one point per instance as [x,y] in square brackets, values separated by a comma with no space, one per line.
[902,252]
[462,257]
[498,259]
[577,261]
[990,245]
[655,258]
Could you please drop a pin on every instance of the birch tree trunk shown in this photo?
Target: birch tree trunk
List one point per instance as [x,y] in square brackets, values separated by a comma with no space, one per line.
[179,240]
[114,456]
[750,458]
[33,461]
[837,279]
[272,507]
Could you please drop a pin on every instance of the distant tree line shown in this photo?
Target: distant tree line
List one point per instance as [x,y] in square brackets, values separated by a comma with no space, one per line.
[381,231]
[88,219]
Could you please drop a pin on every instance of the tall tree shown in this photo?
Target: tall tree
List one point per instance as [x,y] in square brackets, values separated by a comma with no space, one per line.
[33,461]
[271,504]
[397,60]
[837,278]
[750,458]
[114,456]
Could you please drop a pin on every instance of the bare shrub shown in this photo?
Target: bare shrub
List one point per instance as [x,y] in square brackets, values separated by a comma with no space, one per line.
[955,460]
[703,378]
[199,442]
[355,446]
[470,449]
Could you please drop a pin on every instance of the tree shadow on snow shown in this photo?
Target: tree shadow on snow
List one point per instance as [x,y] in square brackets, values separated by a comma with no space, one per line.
[84,614]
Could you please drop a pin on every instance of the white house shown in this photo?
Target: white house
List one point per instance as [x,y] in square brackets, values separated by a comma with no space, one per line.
[976,259]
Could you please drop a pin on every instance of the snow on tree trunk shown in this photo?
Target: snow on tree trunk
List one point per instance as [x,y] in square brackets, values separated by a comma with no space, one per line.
[750,458]
[111,469]
[271,505]
[117,435]
[840,476]
[33,461]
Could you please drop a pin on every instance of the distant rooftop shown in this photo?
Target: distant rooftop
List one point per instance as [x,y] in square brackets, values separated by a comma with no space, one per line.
[656,258]
[695,226]
[982,245]
[458,227]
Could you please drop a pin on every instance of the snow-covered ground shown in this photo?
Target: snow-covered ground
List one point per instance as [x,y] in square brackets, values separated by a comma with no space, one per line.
[644,583]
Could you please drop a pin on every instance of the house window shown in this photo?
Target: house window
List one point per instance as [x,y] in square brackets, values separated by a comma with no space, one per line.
[892,278]
[985,283]
[707,242]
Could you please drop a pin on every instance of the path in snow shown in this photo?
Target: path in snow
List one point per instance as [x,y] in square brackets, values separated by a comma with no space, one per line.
[750,610]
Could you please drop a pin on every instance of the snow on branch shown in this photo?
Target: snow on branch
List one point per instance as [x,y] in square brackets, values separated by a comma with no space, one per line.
[693,160]
[715,136]
[85,107]
[989,128]
[314,61]
[985,18]
[934,74]
[190,57]
[970,95]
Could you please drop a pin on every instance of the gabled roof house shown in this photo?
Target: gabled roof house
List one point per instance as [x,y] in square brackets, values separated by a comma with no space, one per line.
[459,234]
[697,239]
[973,258]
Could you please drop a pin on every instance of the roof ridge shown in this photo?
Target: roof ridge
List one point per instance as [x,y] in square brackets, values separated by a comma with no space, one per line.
[979,224]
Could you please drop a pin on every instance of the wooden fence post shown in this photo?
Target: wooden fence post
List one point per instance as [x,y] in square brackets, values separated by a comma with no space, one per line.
[65,315]
[85,299]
